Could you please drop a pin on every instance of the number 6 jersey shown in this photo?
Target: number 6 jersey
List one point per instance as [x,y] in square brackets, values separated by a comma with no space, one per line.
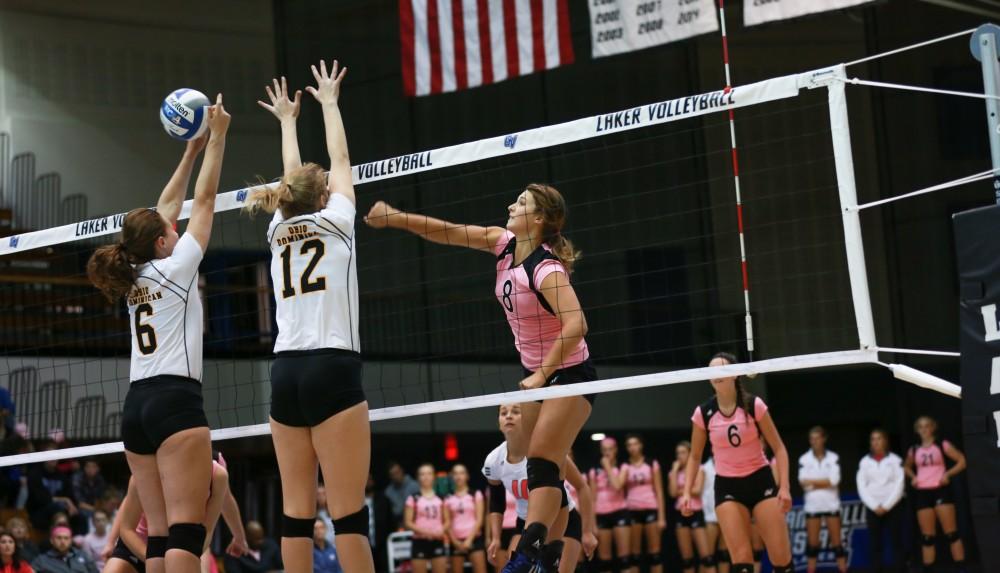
[736,444]
[313,269]
[165,315]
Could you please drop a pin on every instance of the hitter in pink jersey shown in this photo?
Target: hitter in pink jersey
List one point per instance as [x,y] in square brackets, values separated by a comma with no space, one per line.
[926,466]
[465,510]
[533,264]
[424,515]
[735,421]
[644,501]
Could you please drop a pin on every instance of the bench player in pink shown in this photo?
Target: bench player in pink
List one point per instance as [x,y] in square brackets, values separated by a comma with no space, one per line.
[644,501]
[926,466]
[690,530]
[424,515]
[466,511]
[533,265]
[613,521]
[735,421]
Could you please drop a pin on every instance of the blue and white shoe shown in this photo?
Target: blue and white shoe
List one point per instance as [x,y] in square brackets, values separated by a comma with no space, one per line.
[520,563]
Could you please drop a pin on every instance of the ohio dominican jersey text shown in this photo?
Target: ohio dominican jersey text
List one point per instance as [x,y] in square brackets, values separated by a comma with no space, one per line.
[313,269]
[165,315]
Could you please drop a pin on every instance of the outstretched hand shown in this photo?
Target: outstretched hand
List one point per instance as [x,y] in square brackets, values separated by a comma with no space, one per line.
[327,90]
[281,106]
[218,118]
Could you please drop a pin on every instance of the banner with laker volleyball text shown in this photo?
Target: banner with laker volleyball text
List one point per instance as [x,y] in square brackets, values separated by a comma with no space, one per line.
[760,11]
[618,26]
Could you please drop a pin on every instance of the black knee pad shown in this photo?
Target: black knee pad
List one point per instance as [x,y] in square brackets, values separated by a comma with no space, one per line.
[624,562]
[742,568]
[297,526]
[689,563]
[550,556]
[839,551]
[708,561]
[543,473]
[784,568]
[156,547]
[927,540]
[953,537]
[812,551]
[355,523]
[655,559]
[188,537]
[532,540]
[758,555]
[722,556]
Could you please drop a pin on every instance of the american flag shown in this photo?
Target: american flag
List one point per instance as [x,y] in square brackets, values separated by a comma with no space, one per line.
[449,45]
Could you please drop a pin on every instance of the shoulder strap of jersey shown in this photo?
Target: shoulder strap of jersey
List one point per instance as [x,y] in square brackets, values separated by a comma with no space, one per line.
[708,409]
[530,264]
[508,250]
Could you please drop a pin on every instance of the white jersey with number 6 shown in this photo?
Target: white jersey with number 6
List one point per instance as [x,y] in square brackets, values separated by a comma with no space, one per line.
[313,269]
[165,315]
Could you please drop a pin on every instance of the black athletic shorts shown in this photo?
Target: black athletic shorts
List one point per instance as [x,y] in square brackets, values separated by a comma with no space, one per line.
[508,533]
[159,407]
[477,545]
[426,548]
[310,386]
[694,521]
[122,552]
[748,490]
[642,516]
[574,526]
[931,498]
[615,519]
[582,372]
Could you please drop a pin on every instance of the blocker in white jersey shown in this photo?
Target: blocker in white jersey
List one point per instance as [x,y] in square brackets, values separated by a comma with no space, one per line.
[514,477]
[165,315]
[313,269]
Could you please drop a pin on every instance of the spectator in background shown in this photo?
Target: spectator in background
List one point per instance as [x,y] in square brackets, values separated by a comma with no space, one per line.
[11,560]
[880,486]
[14,479]
[264,554]
[323,514]
[324,552]
[7,412]
[63,557]
[88,487]
[67,466]
[19,529]
[49,492]
[379,522]
[109,503]
[93,543]
[400,488]
[819,474]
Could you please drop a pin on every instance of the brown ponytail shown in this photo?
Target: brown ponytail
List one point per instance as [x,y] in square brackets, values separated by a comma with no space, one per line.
[110,267]
[742,396]
[300,191]
[552,206]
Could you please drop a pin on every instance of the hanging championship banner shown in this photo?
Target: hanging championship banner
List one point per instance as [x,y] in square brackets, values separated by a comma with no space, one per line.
[618,26]
[760,11]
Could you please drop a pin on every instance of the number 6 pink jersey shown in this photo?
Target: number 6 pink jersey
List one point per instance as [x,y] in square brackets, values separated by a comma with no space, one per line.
[735,439]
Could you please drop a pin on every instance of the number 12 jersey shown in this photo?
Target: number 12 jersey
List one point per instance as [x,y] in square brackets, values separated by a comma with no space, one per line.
[314,273]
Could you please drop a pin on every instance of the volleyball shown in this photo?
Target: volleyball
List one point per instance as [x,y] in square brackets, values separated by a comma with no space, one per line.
[182,114]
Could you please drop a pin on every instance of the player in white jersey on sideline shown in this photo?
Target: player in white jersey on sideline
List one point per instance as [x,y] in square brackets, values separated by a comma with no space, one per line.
[319,414]
[166,434]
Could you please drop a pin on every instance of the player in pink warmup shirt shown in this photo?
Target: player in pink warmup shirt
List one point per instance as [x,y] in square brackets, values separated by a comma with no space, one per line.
[424,515]
[613,521]
[533,265]
[644,501]
[690,530]
[735,421]
[465,510]
[926,466]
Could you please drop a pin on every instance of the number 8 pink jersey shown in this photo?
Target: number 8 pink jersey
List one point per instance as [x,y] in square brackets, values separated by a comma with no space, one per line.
[736,444]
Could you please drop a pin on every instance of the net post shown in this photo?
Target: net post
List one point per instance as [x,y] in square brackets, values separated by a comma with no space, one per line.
[840,133]
[984,49]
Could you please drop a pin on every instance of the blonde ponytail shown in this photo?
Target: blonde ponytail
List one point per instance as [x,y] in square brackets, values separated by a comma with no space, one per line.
[302,190]
[563,249]
[552,206]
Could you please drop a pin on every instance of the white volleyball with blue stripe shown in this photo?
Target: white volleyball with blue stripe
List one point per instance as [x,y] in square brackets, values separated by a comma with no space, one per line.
[183,114]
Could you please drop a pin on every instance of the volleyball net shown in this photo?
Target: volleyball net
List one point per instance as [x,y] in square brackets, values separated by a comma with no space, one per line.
[662,280]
